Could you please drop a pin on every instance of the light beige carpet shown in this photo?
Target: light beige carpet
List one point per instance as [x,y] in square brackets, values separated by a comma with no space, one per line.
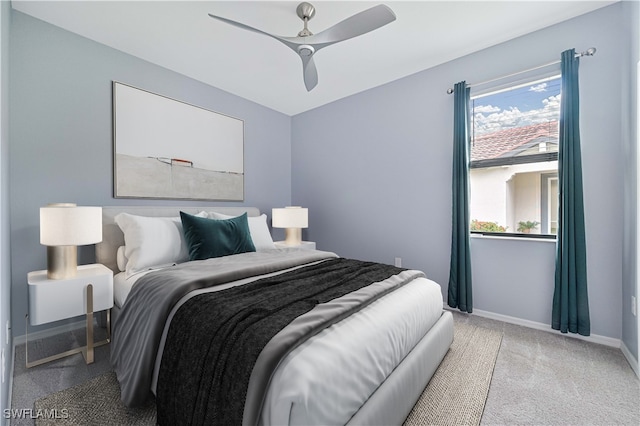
[457,392]
[455,395]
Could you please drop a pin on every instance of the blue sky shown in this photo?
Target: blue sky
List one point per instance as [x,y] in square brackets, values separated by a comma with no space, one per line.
[530,104]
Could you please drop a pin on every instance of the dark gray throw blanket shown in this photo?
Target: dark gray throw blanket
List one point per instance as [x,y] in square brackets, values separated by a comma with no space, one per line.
[215,338]
[138,329]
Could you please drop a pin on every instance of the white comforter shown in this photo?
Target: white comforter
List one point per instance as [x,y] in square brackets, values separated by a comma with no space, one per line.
[326,379]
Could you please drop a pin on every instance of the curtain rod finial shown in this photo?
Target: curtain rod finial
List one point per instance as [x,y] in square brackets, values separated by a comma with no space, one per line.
[590,51]
[449,91]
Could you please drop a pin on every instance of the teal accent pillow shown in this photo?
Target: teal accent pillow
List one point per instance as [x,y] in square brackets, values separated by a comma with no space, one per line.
[208,238]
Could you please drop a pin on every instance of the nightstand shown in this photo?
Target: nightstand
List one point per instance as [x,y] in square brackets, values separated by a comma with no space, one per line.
[304,245]
[91,290]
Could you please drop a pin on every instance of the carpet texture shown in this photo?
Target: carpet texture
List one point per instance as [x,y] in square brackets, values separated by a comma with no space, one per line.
[96,402]
[456,393]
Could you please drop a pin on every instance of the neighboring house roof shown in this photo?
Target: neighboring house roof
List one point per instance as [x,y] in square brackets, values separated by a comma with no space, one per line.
[511,142]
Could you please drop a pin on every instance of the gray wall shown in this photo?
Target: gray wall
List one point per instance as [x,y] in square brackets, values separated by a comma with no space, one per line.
[5,266]
[631,10]
[374,170]
[61,138]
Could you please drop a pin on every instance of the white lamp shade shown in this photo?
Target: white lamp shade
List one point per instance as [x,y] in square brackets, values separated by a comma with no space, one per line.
[70,225]
[290,217]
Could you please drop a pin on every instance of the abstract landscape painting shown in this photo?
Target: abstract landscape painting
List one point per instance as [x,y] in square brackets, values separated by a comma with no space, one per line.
[165,148]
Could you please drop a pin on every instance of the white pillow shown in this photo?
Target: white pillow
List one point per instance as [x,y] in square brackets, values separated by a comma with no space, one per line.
[152,242]
[258,229]
[121,259]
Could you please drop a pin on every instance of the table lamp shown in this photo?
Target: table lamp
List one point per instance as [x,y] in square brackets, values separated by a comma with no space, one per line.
[63,227]
[292,218]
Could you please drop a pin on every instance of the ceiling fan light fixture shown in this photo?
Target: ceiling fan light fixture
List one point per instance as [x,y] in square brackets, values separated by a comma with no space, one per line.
[305,50]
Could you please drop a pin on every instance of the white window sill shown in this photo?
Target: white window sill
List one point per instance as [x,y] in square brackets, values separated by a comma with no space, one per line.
[509,238]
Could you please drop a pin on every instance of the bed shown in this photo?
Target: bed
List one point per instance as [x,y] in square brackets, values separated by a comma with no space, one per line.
[359,357]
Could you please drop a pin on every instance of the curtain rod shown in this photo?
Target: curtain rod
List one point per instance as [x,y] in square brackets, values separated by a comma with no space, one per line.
[589,52]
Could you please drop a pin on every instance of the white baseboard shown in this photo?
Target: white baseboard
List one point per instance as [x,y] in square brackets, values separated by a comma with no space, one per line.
[594,338]
[19,340]
[635,366]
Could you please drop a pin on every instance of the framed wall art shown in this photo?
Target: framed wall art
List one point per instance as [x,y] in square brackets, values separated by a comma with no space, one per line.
[164,148]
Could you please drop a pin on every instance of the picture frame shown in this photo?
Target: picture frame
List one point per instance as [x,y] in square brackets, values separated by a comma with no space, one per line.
[169,149]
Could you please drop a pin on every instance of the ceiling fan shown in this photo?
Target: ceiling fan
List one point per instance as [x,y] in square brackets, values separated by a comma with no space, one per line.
[306,44]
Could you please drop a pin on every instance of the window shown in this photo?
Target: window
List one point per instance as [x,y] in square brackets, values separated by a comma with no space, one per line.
[514,159]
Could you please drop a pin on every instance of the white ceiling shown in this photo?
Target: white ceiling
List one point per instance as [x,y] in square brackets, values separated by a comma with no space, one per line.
[179,35]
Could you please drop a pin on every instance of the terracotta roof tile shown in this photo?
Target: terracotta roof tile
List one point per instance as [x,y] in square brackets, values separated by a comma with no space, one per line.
[501,143]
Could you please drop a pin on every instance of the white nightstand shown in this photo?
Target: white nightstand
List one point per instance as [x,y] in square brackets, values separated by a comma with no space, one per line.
[91,290]
[304,245]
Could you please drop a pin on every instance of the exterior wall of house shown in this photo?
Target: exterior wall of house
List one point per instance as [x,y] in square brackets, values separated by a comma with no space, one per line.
[508,194]
[491,192]
[527,199]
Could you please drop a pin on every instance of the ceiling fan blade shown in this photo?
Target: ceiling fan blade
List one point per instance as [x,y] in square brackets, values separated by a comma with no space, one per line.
[285,40]
[310,73]
[305,46]
[358,24]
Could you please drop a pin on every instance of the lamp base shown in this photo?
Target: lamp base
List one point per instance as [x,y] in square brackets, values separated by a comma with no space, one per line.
[293,236]
[62,262]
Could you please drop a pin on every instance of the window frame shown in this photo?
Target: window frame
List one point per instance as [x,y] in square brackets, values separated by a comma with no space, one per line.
[515,235]
[514,160]
[510,161]
[546,180]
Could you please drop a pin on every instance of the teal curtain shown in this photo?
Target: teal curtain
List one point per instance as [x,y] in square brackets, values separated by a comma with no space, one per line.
[570,301]
[460,295]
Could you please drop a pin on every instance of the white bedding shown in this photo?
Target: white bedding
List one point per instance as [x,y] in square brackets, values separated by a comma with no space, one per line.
[329,377]
[122,286]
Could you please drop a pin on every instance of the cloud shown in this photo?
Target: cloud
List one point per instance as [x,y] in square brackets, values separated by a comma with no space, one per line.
[489,119]
[486,108]
[542,87]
